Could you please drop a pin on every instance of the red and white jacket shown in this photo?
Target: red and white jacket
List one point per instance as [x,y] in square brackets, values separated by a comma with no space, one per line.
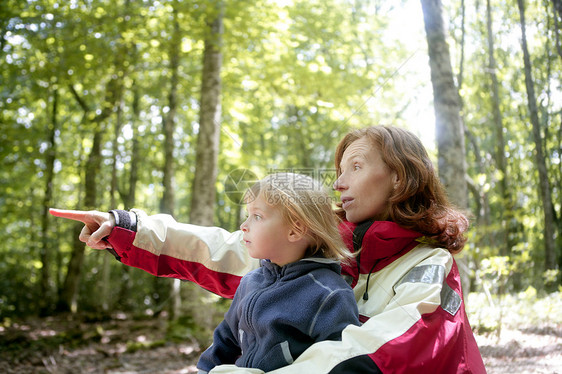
[408,294]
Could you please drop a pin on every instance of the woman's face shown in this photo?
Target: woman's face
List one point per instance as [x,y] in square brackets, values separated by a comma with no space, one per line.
[365,182]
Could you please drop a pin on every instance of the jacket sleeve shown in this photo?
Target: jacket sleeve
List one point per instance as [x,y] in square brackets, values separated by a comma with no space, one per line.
[212,257]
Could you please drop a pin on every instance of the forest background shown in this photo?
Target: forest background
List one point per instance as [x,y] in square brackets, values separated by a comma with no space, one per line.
[174,106]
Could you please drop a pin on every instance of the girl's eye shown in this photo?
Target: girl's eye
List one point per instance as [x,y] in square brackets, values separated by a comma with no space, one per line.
[257,217]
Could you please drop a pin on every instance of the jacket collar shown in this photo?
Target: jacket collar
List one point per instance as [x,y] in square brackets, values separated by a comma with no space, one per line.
[383,242]
[302,266]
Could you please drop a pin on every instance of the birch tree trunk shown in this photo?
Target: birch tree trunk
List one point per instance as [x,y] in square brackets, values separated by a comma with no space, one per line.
[448,125]
[450,137]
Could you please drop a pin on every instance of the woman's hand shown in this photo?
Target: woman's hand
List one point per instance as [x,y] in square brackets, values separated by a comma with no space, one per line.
[97,225]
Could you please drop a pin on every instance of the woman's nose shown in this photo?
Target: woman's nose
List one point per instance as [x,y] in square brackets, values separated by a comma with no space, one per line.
[339,184]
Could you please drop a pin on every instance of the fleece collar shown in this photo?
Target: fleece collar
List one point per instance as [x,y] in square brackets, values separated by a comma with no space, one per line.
[296,269]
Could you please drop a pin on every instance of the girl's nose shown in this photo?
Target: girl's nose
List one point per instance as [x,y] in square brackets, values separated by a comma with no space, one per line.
[244,226]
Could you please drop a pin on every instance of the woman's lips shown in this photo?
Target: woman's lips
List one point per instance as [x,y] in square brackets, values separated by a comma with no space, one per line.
[346,201]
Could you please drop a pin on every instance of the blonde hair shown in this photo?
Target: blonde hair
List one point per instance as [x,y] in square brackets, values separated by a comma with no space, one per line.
[305,205]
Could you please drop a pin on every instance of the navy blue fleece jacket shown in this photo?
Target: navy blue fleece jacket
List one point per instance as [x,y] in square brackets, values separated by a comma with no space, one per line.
[278,312]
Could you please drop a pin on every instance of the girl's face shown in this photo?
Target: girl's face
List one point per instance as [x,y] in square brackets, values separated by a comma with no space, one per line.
[365,182]
[268,236]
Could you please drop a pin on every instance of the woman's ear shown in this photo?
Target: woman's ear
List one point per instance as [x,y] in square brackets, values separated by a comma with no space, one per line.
[395,179]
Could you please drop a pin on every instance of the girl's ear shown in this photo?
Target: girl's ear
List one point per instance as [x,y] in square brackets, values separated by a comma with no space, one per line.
[297,232]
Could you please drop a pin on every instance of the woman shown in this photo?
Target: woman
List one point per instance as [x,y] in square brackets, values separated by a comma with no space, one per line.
[406,282]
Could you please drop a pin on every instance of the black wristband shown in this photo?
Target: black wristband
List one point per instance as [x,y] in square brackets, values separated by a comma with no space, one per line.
[125,219]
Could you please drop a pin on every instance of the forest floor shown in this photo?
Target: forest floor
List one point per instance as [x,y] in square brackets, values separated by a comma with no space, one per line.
[123,345]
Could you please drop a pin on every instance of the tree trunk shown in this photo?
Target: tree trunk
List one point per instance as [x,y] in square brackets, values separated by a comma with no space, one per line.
[544,184]
[130,197]
[169,122]
[506,215]
[67,298]
[105,286]
[558,12]
[450,138]
[558,45]
[203,192]
[558,7]
[50,155]
[68,293]
[460,76]
[480,196]
[206,159]
[167,203]
[448,126]
[483,214]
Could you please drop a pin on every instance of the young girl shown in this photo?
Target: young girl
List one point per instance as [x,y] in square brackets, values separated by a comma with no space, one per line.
[297,297]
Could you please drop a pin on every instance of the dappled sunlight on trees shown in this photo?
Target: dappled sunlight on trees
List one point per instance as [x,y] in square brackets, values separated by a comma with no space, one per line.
[103,103]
